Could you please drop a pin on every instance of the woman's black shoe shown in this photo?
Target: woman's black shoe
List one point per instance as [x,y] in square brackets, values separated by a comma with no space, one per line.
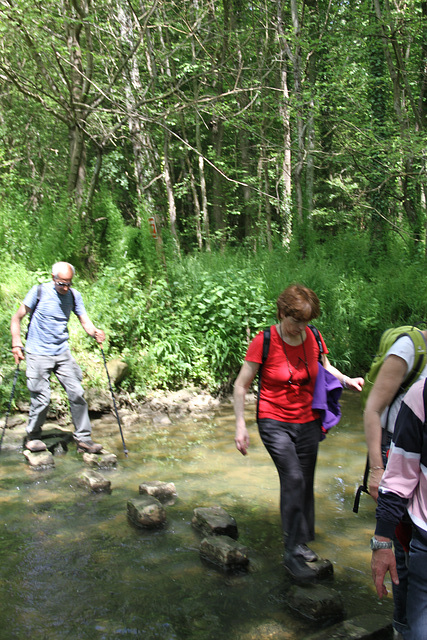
[295,565]
[305,552]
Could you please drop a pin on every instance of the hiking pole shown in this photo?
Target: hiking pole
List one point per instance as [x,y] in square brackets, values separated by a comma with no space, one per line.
[114,401]
[15,378]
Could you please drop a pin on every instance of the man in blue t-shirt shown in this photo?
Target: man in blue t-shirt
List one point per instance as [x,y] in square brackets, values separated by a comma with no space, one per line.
[47,351]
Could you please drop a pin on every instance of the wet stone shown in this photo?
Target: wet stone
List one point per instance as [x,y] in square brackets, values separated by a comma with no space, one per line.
[57,441]
[39,460]
[57,446]
[146,512]
[316,602]
[94,481]
[100,460]
[224,552]
[323,568]
[214,521]
[165,492]
[364,627]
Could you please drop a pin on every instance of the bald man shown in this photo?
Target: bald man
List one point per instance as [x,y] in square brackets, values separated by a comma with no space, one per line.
[47,351]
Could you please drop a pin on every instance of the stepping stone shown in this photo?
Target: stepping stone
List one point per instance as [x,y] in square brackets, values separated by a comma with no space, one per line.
[225,552]
[146,512]
[364,627]
[100,460]
[165,492]
[214,521]
[35,445]
[316,602]
[323,568]
[39,460]
[94,481]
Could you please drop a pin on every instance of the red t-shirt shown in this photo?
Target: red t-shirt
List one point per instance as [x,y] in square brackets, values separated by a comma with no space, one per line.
[280,400]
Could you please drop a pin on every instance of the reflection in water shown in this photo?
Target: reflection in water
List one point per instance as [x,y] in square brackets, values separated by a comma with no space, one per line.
[71,566]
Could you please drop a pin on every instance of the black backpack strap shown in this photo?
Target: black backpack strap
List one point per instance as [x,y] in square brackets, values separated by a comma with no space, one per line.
[265,350]
[74,299]
[39,294]
[316,334]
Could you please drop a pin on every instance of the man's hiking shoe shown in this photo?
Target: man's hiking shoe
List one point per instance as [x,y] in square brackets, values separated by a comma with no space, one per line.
[297,568]
[35,445]
[306,553]
[87,446]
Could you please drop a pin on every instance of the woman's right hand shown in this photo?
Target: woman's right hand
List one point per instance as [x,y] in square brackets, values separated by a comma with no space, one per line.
[242,439]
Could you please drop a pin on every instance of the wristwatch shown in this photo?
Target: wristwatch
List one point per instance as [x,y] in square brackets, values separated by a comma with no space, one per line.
[377,544]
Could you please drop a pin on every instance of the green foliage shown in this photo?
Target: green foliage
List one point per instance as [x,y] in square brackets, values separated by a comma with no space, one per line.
[191,324]
[188,328]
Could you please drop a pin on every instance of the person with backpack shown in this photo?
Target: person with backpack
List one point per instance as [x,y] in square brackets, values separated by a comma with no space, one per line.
[400,362]
[403,489]
[47,352]
[289,427]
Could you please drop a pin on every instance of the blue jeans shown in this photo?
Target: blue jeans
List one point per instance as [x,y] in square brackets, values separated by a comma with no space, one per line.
[416,606]
[69,374]
[293,449]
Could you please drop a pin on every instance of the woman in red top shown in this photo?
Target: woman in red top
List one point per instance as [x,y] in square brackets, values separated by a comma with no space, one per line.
[288,426]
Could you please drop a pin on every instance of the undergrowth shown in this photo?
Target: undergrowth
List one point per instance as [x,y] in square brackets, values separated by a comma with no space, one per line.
[190,324]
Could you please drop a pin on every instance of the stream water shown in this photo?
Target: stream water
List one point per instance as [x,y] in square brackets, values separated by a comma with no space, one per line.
[73,567]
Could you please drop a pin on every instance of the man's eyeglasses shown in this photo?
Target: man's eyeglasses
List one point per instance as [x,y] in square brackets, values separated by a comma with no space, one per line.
[63,284]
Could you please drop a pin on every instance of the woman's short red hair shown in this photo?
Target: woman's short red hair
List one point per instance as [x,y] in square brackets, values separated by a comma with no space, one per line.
[299,302]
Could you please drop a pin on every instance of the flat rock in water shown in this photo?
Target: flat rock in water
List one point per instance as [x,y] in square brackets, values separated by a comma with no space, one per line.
[316,602]
[365,627]
[214,521]
[39,460]
[146,512]
[100,460]
[94,481]
[165,492]
[225,552]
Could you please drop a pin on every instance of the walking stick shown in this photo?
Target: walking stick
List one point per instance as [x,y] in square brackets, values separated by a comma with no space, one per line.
[15,377]
[114,402]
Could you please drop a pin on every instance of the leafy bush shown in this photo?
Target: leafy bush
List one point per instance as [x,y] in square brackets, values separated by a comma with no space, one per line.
[190,324]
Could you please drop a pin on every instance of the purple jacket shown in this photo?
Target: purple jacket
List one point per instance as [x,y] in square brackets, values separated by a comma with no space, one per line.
[326,395]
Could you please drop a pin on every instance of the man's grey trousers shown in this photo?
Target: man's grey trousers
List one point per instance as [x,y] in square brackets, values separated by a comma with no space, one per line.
[69,374]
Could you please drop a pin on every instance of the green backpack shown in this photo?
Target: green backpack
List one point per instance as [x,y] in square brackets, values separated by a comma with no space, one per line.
[388,338]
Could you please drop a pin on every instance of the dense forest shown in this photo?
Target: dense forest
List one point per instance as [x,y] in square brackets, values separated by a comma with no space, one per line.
[192,158]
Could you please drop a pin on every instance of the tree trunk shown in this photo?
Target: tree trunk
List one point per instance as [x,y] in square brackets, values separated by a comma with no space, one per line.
[284,186]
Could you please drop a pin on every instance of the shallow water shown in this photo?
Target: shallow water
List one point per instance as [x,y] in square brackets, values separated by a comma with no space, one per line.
[72,566]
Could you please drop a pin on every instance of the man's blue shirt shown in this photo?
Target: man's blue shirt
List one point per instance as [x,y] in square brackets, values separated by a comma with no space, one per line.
[48,333]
